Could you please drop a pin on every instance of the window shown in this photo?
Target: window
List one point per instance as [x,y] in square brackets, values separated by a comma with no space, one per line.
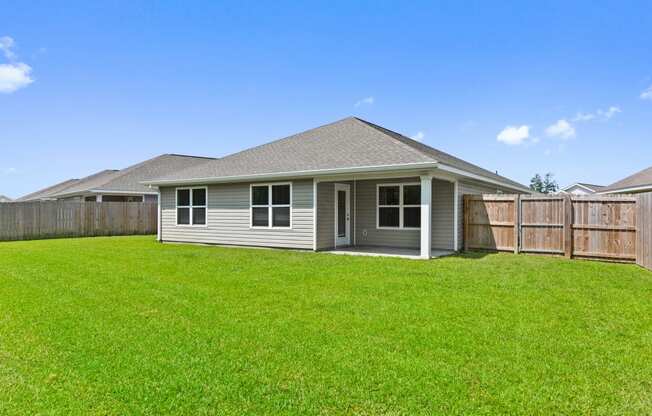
[399,206]
[191,206]
[271,205]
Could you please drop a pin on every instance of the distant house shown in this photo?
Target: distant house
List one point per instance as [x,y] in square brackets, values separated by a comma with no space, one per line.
[581,189]
[118,185]
[349,185]
[636,183]
[5,199]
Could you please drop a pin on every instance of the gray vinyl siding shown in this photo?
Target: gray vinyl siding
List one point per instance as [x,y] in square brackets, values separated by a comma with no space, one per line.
[365,222]
[228,219]
[325,215]
[366,232]
[443,214]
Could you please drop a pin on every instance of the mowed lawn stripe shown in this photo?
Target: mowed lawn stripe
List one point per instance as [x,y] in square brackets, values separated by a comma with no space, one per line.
[127,325]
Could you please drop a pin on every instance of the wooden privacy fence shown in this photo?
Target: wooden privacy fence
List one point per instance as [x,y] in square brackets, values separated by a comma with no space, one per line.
[602,227]
[644,232]
[52,219]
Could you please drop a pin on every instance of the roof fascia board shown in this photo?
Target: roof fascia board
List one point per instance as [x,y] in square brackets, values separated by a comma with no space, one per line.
[625,190]
[296,174]
[109,192]
[580,185]
[482,178]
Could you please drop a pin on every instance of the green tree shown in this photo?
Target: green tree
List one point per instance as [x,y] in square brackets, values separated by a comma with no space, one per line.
[550,184]
[545,185]
[536,183]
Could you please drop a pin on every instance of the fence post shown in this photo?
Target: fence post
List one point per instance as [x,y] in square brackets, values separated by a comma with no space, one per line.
[568,226]
[465,208]
[517,222]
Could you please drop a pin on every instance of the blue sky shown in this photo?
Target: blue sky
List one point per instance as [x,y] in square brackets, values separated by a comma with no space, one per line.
[565,86]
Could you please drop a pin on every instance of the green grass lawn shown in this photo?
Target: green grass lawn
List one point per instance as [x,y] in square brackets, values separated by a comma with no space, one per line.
[130,326]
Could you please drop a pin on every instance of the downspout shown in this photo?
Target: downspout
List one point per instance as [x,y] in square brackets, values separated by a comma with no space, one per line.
[159,228]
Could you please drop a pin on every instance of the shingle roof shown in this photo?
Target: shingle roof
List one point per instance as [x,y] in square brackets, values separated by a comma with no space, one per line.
[639,179]
[87,183]
[595,188]
[47,192]
[5,199]
[348,143]
[129,179]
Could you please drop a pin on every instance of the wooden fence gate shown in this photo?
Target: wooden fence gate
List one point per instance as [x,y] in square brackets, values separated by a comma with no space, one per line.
[52,219]
[601,227]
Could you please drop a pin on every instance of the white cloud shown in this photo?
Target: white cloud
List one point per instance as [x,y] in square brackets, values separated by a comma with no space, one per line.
[584,117]
[647,94]
[561,128]
[13,75]
[419,136]
[8,171]
[607,114]
[513,135]
[599,114]
[6,46]
[366,100]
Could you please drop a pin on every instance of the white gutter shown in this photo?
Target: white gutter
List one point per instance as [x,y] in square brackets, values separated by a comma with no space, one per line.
[481,178]
[336,171]
[102,191]
[627,190]
[295,174]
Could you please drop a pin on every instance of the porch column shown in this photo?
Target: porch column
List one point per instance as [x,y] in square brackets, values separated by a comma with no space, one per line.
[426,212]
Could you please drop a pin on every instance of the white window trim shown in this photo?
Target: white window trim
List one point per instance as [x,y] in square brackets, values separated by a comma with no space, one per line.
[191,206]
[400,206]
[269,206]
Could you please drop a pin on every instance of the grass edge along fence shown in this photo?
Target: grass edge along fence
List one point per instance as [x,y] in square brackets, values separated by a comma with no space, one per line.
[57,219]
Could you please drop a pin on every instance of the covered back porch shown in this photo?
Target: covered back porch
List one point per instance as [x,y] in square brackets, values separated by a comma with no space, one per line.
[409,215]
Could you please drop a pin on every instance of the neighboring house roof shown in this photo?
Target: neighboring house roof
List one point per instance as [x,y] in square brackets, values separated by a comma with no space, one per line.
[46,193]
[350,143]
[129,180]
[589,187]
[639,181]
[5,199]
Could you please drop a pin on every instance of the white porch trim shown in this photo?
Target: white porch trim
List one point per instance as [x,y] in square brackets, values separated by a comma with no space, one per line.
[426,214]
[456,215]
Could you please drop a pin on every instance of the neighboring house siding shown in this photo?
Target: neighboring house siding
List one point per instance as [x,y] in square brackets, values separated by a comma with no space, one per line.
[443,217]
[366,232]
[576,190]
[471,188]
[228,219]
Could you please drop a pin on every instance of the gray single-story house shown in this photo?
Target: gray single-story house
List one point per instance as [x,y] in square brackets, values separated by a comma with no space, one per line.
[634,184]
[346,186]
[122,185]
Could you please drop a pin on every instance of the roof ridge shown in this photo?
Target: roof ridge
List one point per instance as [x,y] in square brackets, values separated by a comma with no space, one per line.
[282,139]
[384,131]
[424,148]
[180,155]
[67,183]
